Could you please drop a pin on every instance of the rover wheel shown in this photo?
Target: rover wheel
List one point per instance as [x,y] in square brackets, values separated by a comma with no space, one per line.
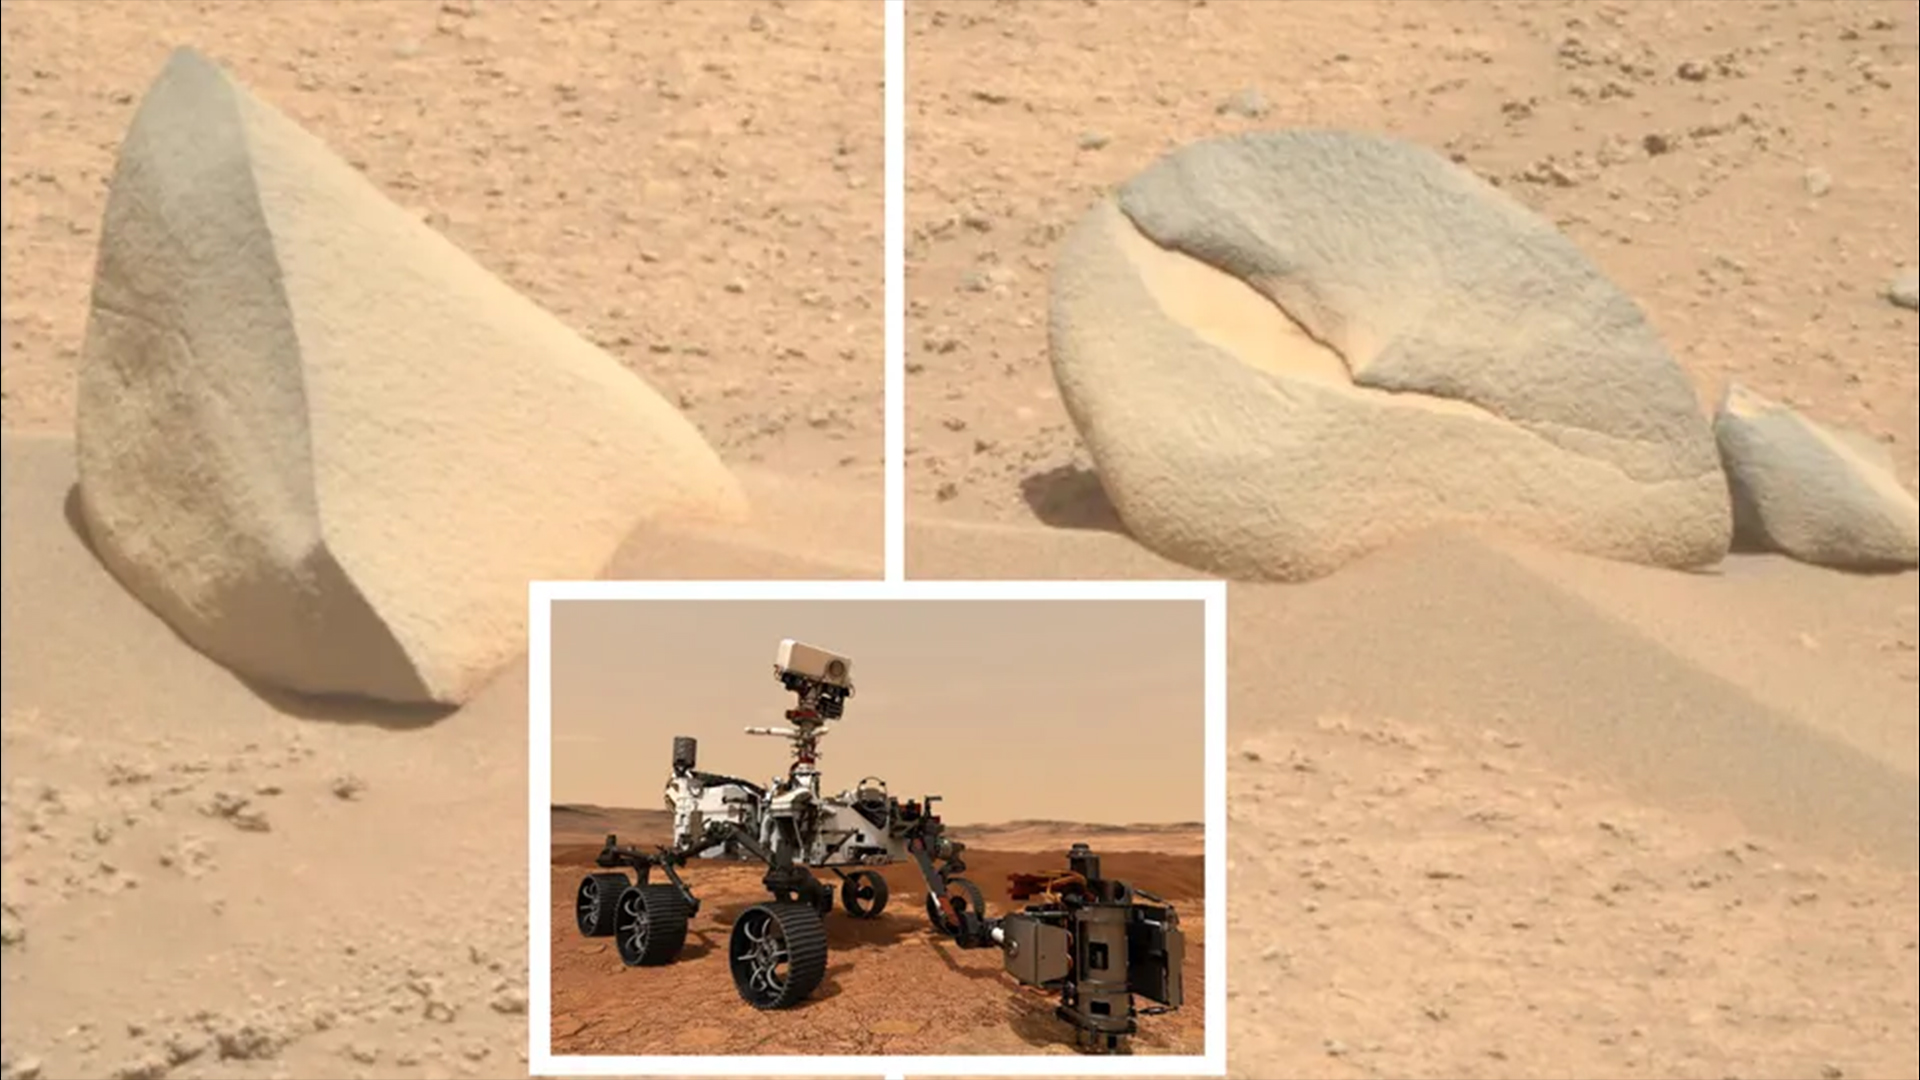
[965,896]
[864,894]
[651,926]
[597,902]
[778,953]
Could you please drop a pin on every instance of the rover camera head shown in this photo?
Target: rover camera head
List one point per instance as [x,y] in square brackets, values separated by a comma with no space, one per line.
[823,680]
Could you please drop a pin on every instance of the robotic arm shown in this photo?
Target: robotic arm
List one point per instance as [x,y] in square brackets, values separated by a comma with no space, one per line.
[1099,942]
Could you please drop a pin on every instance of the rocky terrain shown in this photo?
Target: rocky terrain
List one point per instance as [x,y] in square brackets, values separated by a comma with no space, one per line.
[204,875]
[892,986]
[1745,172]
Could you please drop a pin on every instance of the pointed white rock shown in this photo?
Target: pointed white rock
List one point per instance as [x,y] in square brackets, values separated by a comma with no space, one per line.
[1823,496]
[322,442]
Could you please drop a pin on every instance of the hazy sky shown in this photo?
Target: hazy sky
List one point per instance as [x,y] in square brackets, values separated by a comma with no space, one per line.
[1075,710]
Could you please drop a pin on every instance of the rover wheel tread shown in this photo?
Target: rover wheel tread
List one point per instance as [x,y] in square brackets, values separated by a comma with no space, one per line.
[864,894]
[778,954]
[650,928]
[597,903]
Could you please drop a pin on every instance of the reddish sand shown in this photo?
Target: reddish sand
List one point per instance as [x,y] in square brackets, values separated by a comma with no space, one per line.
[892,985]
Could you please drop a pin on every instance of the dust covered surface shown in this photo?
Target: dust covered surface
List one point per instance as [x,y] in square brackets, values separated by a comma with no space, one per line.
[695,188]
[207,879]
[1745,172]
[892,986]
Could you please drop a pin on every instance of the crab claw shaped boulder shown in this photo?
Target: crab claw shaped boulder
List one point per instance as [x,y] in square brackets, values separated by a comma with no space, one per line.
[1824,497]
[1287,350]
[321,442]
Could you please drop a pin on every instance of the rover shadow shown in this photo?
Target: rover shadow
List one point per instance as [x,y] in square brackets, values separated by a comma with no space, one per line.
[1033,1021]
[700,943]
[829,983]
[946,950]
[844,932]
[1070,497]
[340,709]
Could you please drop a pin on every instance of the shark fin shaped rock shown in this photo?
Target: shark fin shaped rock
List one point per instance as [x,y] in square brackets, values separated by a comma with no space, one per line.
[323,443]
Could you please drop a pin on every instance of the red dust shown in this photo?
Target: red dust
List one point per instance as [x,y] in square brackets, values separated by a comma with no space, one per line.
[893,987]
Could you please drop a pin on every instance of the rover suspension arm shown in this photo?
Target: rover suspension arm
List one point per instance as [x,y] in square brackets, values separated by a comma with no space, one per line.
[615,854]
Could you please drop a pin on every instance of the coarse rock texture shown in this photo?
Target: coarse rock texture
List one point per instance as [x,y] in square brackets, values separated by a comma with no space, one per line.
[1286,350]
[1828,497]
[1672,143]
[322,442]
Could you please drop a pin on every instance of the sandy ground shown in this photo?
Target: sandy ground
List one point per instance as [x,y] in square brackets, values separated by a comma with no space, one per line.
[1500,812]
[892,986]
[696,188]
[202,881]
[1019,115]
[1495,811]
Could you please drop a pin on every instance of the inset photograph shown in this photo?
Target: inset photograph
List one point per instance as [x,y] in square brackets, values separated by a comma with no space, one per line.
[880,834]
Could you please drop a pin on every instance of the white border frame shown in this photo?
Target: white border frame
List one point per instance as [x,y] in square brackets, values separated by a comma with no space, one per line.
[895,358]
[542,1062]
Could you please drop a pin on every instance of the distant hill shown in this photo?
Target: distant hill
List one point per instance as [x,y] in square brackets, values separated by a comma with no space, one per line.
[582,823]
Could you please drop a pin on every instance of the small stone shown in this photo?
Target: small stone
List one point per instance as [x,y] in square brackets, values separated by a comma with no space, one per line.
[1094,140]
[149,1067]
[237,809]
[26,1068]
[1818,181]
[947,492]
[986,280]
[1904,291]
[1249,103]
[1656,144]
[347,786]
[1692,71]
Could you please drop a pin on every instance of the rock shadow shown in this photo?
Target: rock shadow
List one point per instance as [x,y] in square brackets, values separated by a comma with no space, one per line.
[332,708]
[1071,497]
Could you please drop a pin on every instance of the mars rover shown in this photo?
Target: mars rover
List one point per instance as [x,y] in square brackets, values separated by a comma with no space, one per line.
[1098,943]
